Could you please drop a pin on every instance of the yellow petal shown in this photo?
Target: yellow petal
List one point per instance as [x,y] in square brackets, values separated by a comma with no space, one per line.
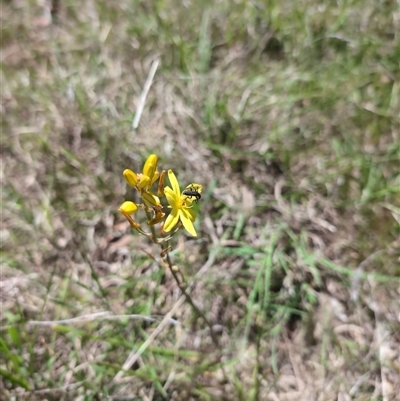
[174,182]
[172,199]
[172,220]
[128,207]
[189,227]
[189,213]
[150,166]
[130,177]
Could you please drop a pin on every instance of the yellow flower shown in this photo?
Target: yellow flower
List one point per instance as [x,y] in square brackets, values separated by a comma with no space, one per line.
[143,181]
[180,208]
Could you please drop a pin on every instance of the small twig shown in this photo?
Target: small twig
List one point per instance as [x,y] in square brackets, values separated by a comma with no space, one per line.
[143,95]
[63,389]
[95,316]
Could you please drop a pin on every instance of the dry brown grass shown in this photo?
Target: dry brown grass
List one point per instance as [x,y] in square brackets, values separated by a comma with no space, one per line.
[288,114]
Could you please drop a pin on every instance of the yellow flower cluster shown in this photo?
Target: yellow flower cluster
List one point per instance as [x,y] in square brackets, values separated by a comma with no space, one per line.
[180,202]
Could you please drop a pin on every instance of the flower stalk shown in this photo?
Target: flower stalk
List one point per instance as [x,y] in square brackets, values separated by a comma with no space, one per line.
[181,215]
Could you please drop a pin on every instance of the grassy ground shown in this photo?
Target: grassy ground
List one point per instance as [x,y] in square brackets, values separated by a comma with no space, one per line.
[287,113]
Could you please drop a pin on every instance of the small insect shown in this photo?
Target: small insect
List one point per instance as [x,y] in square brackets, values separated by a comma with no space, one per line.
[192,192]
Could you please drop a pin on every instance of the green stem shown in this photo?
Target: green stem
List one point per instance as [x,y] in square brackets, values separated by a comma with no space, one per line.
[152,228]
[181,285]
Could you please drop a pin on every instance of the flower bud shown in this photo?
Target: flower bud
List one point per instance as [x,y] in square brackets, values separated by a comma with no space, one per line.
[128,208]
[144,182]
[150,199]
[130,177]
[150,166]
